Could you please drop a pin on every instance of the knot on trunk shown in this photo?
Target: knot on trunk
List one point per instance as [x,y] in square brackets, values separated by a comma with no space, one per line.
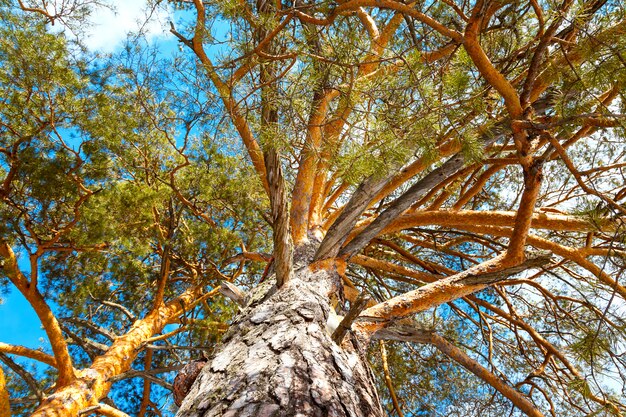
[185,379]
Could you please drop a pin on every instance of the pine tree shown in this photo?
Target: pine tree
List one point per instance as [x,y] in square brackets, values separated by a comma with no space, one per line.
[335,208]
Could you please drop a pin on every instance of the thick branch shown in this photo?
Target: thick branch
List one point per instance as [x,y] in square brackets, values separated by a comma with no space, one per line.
[307,200]
[94,383]
[533,175]
[283,247]
[456,286]
[546,221]
[484,65]
[338,232]
[402,203]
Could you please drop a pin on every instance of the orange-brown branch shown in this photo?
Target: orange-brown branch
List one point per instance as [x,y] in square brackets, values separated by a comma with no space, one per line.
[5,410]
[254,150]
[47,318]
[93,383]
[388,380]
[147,385]
[484,65]
[28,353]
[307,198]
[496,218]
[442,291]
[532,181]
[387,266]
[404,9]
[456,354]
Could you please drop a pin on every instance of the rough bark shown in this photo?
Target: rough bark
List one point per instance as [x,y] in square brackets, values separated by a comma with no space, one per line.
[278,359]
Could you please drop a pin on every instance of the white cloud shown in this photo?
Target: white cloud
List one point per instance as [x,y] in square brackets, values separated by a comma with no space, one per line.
[109,27]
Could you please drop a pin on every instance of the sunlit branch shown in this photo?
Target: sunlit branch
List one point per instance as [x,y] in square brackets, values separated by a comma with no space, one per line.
[388,380]
[444,290]
[47,318]
[28,353]
[93,383]
[5,409]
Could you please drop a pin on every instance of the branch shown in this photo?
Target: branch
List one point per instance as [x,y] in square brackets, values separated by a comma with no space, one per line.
[572,169]
[196,44]
[484,65]
[103,409]
[95,328]
[580,53]
[307,198]
[571,254]
[403,272]
[38,10]
[497,218]
[120,307]
[164,274]
[283,246]
[145,398]
[346,324]
[408,333]
[402,203]
[533,175]
[489,135]
[28,353]
[24,374]
[141,373]
[388,381]
[444,290]
[338,232]
[5,409]
[233,292]
[94,383]
[542,48]
[545,344]
[404,9]
[47,318]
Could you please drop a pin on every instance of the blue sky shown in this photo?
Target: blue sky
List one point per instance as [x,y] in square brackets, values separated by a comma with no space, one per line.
[19,324]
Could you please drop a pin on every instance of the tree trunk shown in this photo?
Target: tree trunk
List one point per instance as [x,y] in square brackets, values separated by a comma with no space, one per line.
[278,359]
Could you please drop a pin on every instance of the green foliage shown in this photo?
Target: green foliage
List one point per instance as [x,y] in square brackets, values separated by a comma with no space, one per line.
[115,163]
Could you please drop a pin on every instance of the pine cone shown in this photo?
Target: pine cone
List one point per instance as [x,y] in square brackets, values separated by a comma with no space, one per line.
[185,378]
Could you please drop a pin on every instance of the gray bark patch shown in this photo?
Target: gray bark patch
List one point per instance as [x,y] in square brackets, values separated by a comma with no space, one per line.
[278,360]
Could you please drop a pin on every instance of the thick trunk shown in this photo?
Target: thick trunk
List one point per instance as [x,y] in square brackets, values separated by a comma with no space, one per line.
[278,359]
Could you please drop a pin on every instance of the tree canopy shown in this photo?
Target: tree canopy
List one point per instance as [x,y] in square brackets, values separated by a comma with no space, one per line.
[459,162]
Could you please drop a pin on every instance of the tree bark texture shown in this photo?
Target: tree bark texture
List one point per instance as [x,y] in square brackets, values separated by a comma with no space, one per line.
[278,359]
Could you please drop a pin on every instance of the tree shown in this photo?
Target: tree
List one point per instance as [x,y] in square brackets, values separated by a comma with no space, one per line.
[447,175]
